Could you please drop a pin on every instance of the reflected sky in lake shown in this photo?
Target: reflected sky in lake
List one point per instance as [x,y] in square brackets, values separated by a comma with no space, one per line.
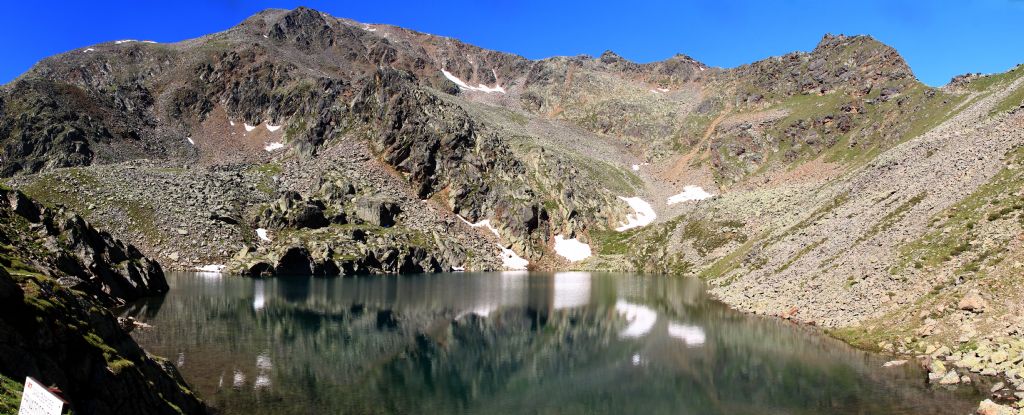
[514,342]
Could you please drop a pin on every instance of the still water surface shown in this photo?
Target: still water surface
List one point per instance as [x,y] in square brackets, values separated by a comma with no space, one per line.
[509,343]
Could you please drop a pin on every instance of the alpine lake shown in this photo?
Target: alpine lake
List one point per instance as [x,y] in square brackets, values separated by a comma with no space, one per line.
[510,343]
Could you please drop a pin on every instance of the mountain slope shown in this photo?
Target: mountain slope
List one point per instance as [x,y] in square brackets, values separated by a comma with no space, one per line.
[361,148]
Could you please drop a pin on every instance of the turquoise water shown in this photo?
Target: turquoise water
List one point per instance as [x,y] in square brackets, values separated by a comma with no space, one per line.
[510,343]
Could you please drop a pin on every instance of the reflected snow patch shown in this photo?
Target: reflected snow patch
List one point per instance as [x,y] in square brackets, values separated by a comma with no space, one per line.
[239,379]
[572,289]
[641,318]
[691,335]
[259,299]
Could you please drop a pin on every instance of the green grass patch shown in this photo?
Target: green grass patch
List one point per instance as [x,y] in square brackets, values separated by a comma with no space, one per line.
[266,173]
[612,242]
[818,214]
[892,217]
[724,265]
[1016,98]
[611,177]
[707,236]
[803,251]
[954,229]
[51,189]
[810,106]
[865,338]
[10,395]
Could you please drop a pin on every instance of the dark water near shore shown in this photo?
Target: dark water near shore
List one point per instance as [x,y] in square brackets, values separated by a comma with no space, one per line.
[510,343]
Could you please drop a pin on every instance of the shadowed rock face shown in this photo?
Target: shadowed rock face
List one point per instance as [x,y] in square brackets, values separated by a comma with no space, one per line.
[83,258]
[57,273]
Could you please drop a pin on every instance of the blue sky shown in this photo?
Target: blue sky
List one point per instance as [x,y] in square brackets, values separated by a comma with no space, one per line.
[939,39]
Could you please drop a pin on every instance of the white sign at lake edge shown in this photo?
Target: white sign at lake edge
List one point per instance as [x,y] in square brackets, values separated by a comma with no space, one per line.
[37,400]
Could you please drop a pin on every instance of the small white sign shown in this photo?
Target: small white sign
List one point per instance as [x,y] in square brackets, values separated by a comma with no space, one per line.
[37,400]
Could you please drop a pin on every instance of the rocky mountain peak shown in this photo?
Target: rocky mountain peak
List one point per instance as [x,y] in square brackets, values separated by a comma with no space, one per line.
[609,57]
[306,27]
[863,52]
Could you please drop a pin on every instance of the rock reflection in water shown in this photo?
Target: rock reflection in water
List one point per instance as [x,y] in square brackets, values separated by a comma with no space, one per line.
[508,343]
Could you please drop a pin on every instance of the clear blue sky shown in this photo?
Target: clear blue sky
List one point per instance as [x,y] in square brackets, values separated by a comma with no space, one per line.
[939,39]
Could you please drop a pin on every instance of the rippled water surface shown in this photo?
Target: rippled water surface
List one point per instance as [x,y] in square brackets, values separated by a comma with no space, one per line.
[509,343]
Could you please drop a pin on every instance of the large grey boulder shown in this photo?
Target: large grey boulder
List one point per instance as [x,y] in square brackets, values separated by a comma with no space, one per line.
[375,211]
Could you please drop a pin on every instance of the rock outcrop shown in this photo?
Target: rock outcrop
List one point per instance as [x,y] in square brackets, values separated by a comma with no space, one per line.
[57,276]
[80,256]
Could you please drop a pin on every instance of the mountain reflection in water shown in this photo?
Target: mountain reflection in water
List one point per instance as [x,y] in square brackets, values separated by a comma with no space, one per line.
[513,342]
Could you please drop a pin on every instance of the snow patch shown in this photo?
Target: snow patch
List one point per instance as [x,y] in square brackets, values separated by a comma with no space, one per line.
[458,269]
[636,167]
[481,88]
[273,146]
[89,50]
[273,128]
[643,214]
[641,319]
[511,260]
[486,223]
[689,193]
[190,140]
[262,233]
[231,122]
[148,41]
[571,249]
[212,268]
[368,28]
[691,335]
[121,42]
[248,127]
